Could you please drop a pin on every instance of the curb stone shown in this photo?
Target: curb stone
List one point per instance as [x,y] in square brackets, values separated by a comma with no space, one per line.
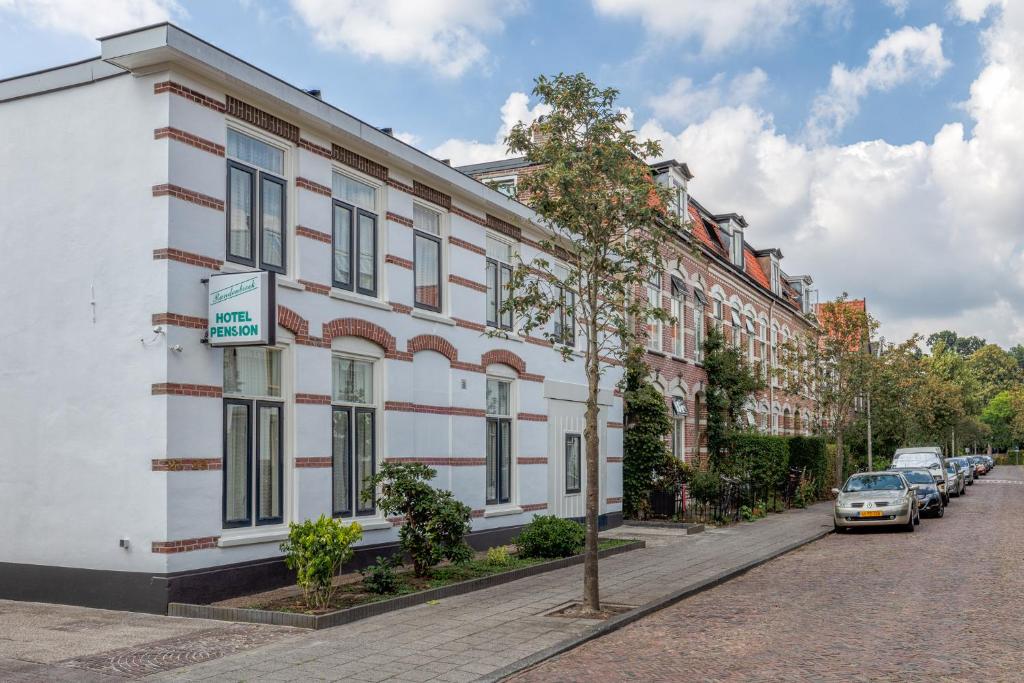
[667,600]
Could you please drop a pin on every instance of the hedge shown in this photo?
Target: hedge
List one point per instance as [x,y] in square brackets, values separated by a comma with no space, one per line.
[809,453]
[761,458]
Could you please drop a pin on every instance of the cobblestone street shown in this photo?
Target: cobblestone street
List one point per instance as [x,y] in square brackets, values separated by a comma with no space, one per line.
[943,603]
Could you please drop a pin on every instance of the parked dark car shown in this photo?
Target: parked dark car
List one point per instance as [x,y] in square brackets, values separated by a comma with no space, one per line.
[980,467]
[929,500]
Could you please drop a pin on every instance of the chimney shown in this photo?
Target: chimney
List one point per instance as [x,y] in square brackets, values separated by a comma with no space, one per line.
[388,131]
[446,162]
[538,138]
[315,92]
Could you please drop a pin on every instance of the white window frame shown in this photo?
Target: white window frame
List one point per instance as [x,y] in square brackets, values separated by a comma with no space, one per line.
[655,327]
[354,407]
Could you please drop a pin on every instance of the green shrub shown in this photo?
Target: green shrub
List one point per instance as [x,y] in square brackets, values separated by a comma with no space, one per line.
[809,453]
[705,486]
[551,537]
[380,576]
[644,448]
[316,550]
[434,524]
[498,557]
[759,458]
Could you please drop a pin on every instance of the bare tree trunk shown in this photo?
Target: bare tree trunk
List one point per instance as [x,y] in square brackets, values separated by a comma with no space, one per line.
[591,593]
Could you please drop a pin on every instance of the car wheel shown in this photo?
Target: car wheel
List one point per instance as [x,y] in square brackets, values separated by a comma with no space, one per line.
[940,512]
[909,526]
[838,529]
[917,517]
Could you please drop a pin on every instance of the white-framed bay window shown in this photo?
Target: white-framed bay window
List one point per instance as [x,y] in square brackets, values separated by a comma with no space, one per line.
[256,205]
[428,252]
[354,397]
[254,438]
[354,235]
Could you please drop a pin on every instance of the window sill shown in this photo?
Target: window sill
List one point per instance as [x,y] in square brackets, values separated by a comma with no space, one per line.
[372,524]
[289,283]
[503,511]
[233,538]
[432,317]
[358,299]
[657,352]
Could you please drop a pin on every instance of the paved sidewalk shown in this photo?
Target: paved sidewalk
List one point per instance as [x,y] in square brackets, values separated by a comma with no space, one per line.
[475,635]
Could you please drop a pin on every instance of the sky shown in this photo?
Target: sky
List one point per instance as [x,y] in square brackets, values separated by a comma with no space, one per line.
[878,143]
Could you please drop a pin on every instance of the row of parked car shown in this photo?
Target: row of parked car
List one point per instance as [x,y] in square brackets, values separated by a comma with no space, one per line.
[920,482]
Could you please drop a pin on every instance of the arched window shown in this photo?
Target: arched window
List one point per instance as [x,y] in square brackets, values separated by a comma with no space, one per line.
[679,411]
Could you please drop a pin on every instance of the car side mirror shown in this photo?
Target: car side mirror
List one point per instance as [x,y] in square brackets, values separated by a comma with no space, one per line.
[915,487]
[835,492]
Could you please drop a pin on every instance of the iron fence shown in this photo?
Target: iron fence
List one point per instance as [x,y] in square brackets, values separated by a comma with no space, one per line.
[735,499]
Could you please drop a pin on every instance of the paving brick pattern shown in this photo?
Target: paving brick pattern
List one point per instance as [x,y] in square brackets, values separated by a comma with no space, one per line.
[471,636]
[860,607]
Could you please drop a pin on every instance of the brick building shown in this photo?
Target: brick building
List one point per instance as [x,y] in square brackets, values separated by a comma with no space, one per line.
[713,277]
[141,465]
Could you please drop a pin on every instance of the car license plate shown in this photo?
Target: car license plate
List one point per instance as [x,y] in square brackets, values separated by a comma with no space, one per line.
[871,513]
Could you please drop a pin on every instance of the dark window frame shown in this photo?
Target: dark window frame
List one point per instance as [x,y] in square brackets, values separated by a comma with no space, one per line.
[560,318]
[354,243]
[253,244]
[436,239]
[355,494]
[501,422]
[578,438]
[334,463]
[260,405]
[257,176]
[247,522]
[283,184]
[500,269]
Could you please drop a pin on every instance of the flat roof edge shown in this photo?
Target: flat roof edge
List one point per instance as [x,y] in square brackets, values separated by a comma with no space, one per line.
[57,78]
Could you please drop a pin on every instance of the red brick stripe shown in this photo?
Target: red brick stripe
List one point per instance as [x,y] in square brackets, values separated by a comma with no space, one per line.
[316,399]
[178,320]
[530,507]
[400,308]
[529,377]
[470,325]
[613,501]
[402,220]
[316,287]
[468,216]
[468,246]
[359,162]
[466,282]
[178,192]
[310,233]
[187,257]
[504,357]
[443,462]
[399,185]
[612,458]
[175,389]
[504,227]
[407,407]
[532,417]
[188,139]
[431,195]
[313,462]
[398,261]
[307,184]
[185,545]
[614,425]
[314,148]
[261,119]
[188,94]
[186,464]
[532,461]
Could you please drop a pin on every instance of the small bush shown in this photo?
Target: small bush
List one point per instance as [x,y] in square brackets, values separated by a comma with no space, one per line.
[380,576]
[705,486]
[759,458]
[809,454]
[551,537]
[498,557]
[316,550]
[806,493]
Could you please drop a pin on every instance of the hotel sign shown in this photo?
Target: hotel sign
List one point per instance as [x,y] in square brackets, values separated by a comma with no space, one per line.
[242,310]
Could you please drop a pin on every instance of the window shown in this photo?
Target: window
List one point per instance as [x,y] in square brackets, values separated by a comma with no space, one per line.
[654,325]
[353,435]
[737,248]
[679,414]
[427,258]
[253,466]
[751,337]
[762,337]
[256,217]
[354,235]
[499,274]
[737,325]
[506,186]
[716,310]
[565,316]
[499,441]
[678,206]
[775,280]
[700,301]
[678,315]
[573,455]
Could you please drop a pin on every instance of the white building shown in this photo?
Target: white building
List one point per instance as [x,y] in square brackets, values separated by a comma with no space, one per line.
[141,465]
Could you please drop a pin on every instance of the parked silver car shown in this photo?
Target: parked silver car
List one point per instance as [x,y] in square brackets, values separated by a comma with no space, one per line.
[967,467]
[876,499]
[956,479]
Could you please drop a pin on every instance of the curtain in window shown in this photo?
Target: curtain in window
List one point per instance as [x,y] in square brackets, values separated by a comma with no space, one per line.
[367,254]
[342,468]
[252,371]
[572,463]
[255,152]
[354,192]
[272,208]
[240,216]
[342,246]
[428,272]
[364,459]
[236,462]
[269,464]
[352,380]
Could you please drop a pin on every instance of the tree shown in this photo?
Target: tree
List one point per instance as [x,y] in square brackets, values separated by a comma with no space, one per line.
[834,366]
[643,441]
[999,415]
[731,381]
[994,370]
[605,220]
[950,340]
[1018,353]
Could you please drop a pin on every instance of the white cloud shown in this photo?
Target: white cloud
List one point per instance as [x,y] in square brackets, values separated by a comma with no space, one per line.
[446,35]
[973,10]
[516,108]
[715,26]
[898,6]
[909,54]
[929,231]
[684,103]
[95,18]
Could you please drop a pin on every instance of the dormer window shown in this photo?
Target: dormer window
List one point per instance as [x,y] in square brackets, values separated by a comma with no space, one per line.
[737,247]
[506,186]
[679,201]
[776,279]
[731,226]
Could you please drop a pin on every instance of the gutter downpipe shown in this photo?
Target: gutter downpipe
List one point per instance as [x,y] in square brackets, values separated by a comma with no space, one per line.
[771,375]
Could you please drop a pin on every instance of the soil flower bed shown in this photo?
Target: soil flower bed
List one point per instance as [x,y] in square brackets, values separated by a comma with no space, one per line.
[351,591]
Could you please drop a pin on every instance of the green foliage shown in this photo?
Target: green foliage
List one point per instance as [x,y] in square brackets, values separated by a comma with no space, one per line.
[705,486]
[950,340]
[730,382]
[759,458]
[999,415]
[808,453]
[498,556]
[807,492]
[645,454]
[548,536]
[995,370]
[316,550]
[380,576]
[434,524]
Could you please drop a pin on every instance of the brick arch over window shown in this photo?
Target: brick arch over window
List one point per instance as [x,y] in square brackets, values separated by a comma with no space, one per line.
[356,327]
[505,358]
[432,342]
[292,321]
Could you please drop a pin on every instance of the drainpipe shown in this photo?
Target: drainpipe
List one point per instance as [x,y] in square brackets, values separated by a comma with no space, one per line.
[771,373]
